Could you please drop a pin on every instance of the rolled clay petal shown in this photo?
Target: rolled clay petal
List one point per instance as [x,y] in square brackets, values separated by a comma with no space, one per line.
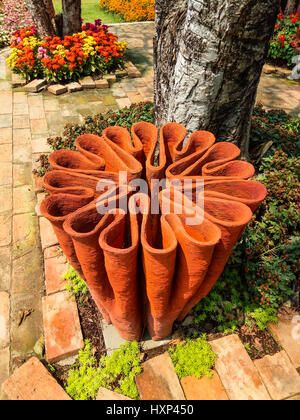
[120,257]
[217,155]
[159,260]
[121,137]
[71,161]
[195,248]
[56,209]
[199,142]
[116,159]
[63,182]
[233,169]
[251,193]
[231,217]
[144,137]
[207,157]
[84,227]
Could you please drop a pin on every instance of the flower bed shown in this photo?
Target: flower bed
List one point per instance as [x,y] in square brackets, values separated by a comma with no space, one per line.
[131,10]
[284,42]
[92,51]
[13,16]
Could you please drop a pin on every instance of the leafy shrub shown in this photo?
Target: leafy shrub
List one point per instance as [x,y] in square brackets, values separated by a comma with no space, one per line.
[116,372]
[75,284]
[193,357]
[131,10]
[91,51]
[284,42]
[225,305]
[14,15]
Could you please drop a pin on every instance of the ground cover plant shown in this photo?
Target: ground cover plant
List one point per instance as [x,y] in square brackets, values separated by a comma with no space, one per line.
[193,358]
[95,50]
[283,44]
[116,372]
[74,283]
[131,10]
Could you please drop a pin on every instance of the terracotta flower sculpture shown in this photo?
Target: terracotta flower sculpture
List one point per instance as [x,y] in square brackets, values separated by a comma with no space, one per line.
[145,269]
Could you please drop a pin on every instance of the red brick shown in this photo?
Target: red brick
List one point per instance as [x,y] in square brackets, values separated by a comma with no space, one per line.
[107,395]
[287,333]
[204,389]
[158,381]
[55,267]
[63,336]
[48,237]
[279,375]
[33,382]
[237,371]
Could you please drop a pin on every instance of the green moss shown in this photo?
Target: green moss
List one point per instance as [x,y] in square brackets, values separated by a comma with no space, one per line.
[75,284]
[116,372]
[193,357]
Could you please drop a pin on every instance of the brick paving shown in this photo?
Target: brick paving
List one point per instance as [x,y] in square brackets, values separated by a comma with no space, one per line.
[26,120]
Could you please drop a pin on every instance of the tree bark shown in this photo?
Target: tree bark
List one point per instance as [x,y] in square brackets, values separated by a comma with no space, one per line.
[208,59]
[291,6]
[50,8]
[40,17]
[71,16]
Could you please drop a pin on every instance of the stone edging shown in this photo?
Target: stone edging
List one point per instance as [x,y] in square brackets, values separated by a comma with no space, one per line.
[88,82]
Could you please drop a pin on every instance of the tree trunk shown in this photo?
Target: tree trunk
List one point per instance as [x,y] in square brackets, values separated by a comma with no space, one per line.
[291,6]
[50,8]
[71,16]
[208,58]
[40,17]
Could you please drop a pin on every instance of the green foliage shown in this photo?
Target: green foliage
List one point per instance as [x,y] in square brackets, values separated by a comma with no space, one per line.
[270,245]
[284,43]
[75,284]
[116,372]
[262,316]
[225,304]
[193,357]
[274,126]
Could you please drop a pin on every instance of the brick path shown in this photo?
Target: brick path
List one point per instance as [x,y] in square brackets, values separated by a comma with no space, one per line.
[26,120]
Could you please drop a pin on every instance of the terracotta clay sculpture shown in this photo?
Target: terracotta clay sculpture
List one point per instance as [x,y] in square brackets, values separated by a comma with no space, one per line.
[146,269]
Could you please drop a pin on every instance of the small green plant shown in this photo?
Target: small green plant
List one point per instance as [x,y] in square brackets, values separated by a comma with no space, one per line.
[116,372]
[51,368]
[247,347]
[262,316]
[193,357]
[75,284]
